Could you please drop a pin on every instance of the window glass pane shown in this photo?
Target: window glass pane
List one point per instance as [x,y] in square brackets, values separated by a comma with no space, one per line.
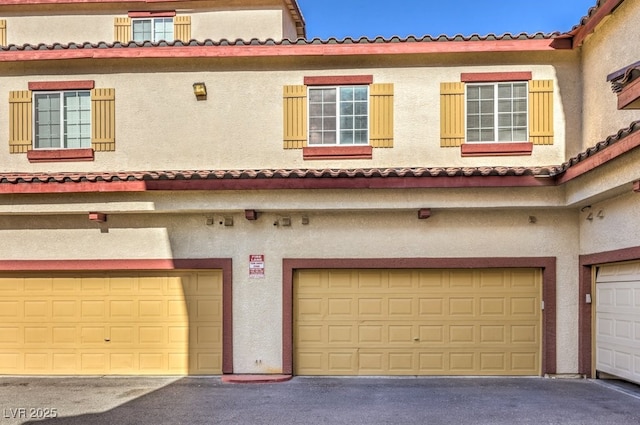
[486,121]
[486,92]
[361,137]
[329,138]
[520,135]
[504,91]
[473,107]
[362,123]
[487,136]
[504,106]
[346,123]
[142,30]
[47,120]
[77,119]
[504,120]
[504,135]
[520,105]
[473,135]
[520,90]
[329,124]
[473,92]
[360,108]
[346,93]
[486,106]
[346,108]
[520,120]
[361,93]
[473,121]
[346,137]
[329,95]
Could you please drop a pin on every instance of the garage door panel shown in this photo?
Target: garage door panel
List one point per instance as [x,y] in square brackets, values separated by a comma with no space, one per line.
[417,322]
[617,319]
[125,323]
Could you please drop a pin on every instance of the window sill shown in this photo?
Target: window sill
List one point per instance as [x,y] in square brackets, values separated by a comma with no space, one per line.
[60,155]
[497,149]
[337,152]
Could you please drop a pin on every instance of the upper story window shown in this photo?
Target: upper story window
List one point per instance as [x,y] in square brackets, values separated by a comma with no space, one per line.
[497,112]
[152,29]
[339,115]
[62,120]
[152,26]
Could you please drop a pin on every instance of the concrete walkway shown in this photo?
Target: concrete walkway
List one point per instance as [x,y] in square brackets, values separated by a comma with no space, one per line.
[351,401]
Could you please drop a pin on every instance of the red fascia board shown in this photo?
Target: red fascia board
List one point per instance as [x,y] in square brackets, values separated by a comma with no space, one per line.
[256,51]
[278,184]
[630,95]
[153,14]
[489,77]
[618,149]
[606,8]
[338,80]
[61,85]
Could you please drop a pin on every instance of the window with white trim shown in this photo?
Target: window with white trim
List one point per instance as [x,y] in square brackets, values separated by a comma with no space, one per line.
[497,112]
[339,115]
[152,29]
[62,120]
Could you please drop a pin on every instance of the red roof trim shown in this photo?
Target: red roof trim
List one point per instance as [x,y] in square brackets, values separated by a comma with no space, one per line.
[178,50]
[621,147]
[486,77]
[606,8]
[629,97]
[62,85]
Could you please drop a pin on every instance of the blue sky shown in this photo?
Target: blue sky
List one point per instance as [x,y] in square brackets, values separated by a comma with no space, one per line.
[371,18]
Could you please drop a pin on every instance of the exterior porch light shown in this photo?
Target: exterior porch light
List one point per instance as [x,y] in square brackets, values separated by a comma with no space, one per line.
[200,91]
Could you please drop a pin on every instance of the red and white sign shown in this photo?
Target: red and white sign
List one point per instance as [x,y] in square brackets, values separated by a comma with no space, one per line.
[256,266]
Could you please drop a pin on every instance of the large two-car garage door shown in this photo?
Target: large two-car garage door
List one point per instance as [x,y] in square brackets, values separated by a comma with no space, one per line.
[618,320]
[116,323]
[417,322]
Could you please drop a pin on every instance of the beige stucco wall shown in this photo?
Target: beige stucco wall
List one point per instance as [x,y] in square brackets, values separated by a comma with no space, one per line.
[240,124]
[232,24]
[257,308]
[612,47]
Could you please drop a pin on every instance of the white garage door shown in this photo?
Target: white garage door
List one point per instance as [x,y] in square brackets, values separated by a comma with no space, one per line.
[618,320]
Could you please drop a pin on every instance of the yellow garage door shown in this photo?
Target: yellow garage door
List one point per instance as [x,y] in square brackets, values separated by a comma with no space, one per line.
[417,322]
[119,324]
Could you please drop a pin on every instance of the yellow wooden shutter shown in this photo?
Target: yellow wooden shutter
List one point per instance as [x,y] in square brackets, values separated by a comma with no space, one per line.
[541,112]
[451,114]
[20,121]
[103,119]
[295,117]
[3,32]
[381,117]
[122,31]
[182,28]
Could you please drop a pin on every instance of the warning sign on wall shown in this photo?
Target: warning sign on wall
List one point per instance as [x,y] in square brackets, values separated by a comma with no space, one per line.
[256,266]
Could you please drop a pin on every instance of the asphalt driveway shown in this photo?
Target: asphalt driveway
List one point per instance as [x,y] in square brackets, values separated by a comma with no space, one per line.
[352,401]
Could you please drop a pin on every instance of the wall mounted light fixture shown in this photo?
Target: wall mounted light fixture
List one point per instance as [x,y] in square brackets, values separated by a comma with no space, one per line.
[200,91]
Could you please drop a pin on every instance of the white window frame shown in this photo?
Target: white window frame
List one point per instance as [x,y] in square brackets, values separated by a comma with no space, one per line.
[62,137]
[154,36]
[496,126]
[338,142]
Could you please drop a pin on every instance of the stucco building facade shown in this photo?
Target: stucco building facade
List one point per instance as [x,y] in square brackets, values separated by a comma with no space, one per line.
[192,187]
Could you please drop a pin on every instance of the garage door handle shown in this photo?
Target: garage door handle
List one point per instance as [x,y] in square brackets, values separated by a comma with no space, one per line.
[107,340]
[416,339]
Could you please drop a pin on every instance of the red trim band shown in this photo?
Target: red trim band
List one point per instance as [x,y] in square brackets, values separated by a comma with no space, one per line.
[153,14]
[489,77]
[62,85]
[629,97]
[338,80]
[496,149]
[60,155]
[337,152]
